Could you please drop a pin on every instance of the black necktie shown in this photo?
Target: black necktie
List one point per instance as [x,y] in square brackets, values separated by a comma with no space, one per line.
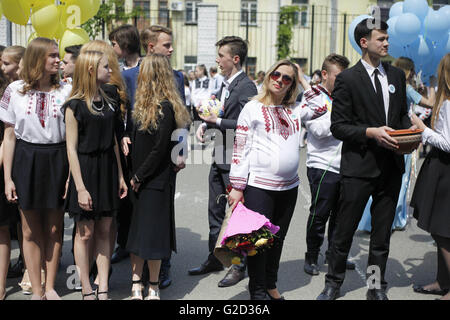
[378,88]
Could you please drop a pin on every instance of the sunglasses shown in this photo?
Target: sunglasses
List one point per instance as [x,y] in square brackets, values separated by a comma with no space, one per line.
[286,80]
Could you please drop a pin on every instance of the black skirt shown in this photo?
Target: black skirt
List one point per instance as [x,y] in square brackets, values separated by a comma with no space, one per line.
[40,173]
[152,228]
[431,196]
[100,177]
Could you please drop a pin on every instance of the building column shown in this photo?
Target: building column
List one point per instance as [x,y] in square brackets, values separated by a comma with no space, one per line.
[207,34]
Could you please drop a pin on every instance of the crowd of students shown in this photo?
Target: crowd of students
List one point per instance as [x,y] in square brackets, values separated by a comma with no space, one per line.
[92,135]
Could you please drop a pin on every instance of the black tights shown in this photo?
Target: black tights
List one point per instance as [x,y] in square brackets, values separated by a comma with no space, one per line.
[443,269]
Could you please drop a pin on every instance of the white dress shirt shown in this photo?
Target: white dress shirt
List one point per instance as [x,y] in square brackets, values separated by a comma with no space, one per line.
[440,136]
[382,77]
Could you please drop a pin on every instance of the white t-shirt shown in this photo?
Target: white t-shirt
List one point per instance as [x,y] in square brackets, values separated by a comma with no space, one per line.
[36,115]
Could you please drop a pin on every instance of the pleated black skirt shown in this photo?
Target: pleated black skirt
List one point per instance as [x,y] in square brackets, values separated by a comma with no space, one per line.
[40,173]
[152,228]
[431,196]
[100,177]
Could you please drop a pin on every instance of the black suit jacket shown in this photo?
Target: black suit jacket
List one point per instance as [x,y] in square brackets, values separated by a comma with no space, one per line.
[355,109]
[241,90]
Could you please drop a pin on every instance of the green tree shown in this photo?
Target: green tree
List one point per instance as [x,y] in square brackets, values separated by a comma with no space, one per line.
[110,12]
[288,18]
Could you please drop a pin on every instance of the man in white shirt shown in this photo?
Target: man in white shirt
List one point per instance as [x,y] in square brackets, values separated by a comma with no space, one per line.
[323,161]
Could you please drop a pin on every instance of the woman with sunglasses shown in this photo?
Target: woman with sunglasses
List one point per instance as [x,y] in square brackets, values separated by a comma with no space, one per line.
[264,167]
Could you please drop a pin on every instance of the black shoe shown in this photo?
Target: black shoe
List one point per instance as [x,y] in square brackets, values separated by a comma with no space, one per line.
[376,294]
[275,299]
[233,276]
[310,266]
[421,289]
[206,267]
[16,270]
[164,279]
[119,255]
[329,293]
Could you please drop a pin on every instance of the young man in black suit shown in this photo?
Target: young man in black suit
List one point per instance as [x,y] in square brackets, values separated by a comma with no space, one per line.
[236,91]
[369,100]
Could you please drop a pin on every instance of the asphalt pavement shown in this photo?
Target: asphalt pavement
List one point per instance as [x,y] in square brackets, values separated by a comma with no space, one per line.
[412,258]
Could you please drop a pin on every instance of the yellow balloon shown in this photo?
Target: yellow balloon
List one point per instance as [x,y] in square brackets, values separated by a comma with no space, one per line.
[32,36]
[61,25]
[39,3]
[17,11]
[80,11]
[72,37]
[43,20]
[1,10]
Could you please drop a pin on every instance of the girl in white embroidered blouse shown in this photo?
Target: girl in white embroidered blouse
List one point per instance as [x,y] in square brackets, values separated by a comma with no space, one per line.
[264,167]
[35,160]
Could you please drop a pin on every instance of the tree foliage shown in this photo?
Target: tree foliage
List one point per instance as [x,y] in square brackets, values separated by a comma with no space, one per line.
[288,19]
[110,13]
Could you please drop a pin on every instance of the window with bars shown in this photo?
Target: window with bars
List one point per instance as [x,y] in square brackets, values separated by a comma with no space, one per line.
[163,13]
[144,6]
[191,12]
[301,18]
[249,10]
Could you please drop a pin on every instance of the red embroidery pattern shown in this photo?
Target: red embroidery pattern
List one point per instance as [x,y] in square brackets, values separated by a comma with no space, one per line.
[42,107]
[243,128]
[238,182]
[239,145]
[4,103]
[319,111]
[279,120]
[275,183]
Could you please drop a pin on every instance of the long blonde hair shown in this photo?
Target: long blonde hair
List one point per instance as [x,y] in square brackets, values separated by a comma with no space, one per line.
[265,96]
[406,64]
[116,77]
[443,84]
[155,84]
[15,52]
[34,61]
[84,84]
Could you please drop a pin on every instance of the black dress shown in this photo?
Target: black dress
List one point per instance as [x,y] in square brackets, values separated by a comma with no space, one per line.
[431,196]
[97,158]
[152,230]
[8,211]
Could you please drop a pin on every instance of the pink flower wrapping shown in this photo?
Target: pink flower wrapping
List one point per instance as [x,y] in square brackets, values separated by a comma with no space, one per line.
[245,221]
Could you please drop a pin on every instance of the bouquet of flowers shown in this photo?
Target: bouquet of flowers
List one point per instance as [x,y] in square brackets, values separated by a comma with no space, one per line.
[244,233]
[211,106]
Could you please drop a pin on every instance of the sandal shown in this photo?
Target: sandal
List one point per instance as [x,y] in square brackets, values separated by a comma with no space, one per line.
[137,294]
[97,293]
[93,293]
[153,294]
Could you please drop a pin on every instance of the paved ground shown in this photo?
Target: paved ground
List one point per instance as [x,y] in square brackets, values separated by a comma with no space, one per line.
[412,255]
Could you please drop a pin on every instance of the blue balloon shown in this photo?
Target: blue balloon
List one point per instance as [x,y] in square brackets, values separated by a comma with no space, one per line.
[416,7]
[407,28]
[351,31]
[445,10]
[396,9]
[396,51]
[391,29]
[436,25]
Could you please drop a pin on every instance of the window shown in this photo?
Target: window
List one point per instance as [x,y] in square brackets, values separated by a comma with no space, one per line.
[249,10]
[163,13]
[189,63]
[301,18]
[191,12]
[251,67]
[144,7]
[437,4]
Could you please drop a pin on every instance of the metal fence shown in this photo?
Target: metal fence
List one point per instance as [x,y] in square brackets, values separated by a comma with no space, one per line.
[318,31]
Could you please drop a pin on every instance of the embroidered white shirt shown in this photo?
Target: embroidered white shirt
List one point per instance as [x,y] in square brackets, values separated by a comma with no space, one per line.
[266,149]
[36,115]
